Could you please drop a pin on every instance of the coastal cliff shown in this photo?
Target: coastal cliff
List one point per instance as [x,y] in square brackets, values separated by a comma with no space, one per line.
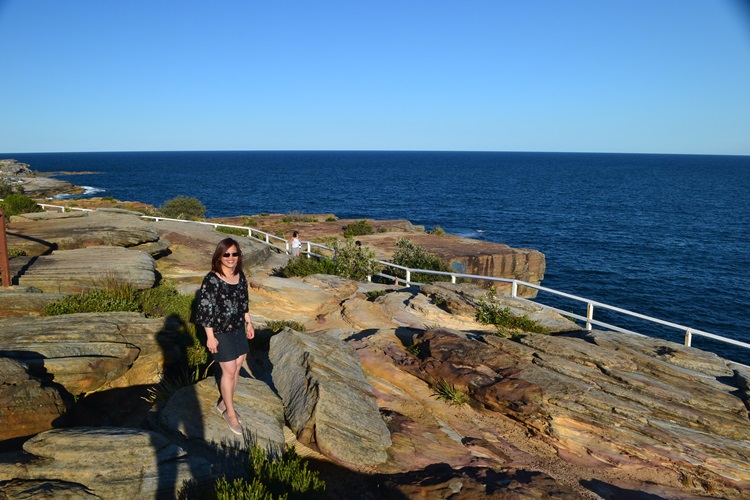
[564,414]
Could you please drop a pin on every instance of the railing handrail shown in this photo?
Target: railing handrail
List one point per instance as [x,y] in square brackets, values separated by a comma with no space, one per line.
[590,304]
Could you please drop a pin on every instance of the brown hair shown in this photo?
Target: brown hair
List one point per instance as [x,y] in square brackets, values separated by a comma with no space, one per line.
[221,249]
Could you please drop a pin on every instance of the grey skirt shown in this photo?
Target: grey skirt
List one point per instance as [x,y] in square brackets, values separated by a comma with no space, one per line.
[232,345]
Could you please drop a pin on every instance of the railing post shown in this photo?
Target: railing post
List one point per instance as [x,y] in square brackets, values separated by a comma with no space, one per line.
[267,240]
[514,289]
[589,316]
[408,276]
[453,279]
[4,263]
[309,248]
[688,337]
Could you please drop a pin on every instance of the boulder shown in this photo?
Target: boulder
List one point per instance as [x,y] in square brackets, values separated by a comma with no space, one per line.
[327,400]
[109,462]
[90,351]
[85,269]
[190,412]
[27,405]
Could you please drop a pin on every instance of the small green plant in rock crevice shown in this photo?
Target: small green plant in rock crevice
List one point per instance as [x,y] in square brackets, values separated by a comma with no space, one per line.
[508,324]
[448,392]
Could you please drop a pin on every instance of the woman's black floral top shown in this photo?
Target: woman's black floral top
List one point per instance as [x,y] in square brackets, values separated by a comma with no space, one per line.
[222,306]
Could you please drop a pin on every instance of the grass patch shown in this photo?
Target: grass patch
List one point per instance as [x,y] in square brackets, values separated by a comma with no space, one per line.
[236,231]
[447,392]
[438,231]
[298,217]
[507,323]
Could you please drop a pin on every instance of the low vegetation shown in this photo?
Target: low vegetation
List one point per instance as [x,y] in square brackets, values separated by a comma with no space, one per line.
[409,255]
[438,231]
[16,204]
[272,477]
[359,228]
[448,392]
[183,207]
[489,312]
[8,188]
[236,231]
[298,217]
[349,261]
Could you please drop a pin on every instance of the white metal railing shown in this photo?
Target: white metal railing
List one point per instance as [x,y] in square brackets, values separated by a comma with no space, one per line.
[308,246]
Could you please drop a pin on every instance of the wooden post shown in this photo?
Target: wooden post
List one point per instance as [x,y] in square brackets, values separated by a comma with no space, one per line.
[4,264]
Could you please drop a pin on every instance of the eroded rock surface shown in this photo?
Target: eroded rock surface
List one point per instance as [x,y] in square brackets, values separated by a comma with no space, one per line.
[86,352]
[112,462]
[85,269]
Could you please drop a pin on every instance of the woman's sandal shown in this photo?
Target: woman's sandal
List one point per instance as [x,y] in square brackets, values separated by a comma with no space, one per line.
[237,429]
[221,412]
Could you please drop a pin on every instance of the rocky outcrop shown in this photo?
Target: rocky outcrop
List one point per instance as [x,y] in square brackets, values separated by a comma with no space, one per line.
[27,405]
[327,400]
[85,269]
[88,352]
[190,412]
[34,185]
[39,233]
[111,462]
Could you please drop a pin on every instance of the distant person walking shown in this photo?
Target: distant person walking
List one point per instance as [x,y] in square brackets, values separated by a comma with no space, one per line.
[224,313]
[296,244]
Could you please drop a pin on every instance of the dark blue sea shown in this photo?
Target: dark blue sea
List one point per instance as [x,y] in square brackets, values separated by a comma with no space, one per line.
[663,235]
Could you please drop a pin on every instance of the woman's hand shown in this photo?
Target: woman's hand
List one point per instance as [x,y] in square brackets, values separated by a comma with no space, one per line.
[212,344]
[250,331]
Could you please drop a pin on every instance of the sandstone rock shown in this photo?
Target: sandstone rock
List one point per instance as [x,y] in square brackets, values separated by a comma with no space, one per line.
[633,408]
[27,406]
[111,463]
[84,269]
[327,400]
[24,301]
[301,300]
[87,352]
[10,167]
[39,233]
[190,412]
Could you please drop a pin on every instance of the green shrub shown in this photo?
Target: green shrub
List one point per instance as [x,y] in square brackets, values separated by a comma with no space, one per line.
[332,218]
[353,261]
[359,228]
[438,231]
[269,478]
[183,207]
[302,266]
[15,204]
[374,294]
[508,324]
[236,231]
[409,255]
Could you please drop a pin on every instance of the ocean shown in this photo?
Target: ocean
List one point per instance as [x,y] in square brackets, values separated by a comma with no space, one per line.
[667,236]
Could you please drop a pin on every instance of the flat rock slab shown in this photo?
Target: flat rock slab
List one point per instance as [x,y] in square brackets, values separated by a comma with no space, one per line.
[25,301]
[40,233]
[85,269]
[110,462]
[190,413]
[89,351]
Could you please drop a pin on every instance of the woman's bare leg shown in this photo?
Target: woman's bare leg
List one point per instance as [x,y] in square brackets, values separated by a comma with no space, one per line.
[230,375]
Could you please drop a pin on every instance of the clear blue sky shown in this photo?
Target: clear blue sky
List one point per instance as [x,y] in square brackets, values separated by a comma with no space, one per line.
[651,76]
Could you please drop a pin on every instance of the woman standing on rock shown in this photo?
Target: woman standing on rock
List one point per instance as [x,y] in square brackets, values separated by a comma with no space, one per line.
[223,312]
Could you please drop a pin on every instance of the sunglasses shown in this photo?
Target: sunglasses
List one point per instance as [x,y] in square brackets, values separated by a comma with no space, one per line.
[233,254]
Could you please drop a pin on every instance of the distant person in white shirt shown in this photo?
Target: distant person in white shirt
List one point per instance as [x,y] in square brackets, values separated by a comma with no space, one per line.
[296,244]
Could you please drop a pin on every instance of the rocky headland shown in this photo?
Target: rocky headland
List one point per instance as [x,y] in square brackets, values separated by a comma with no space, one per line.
[35,184]
[566,414]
